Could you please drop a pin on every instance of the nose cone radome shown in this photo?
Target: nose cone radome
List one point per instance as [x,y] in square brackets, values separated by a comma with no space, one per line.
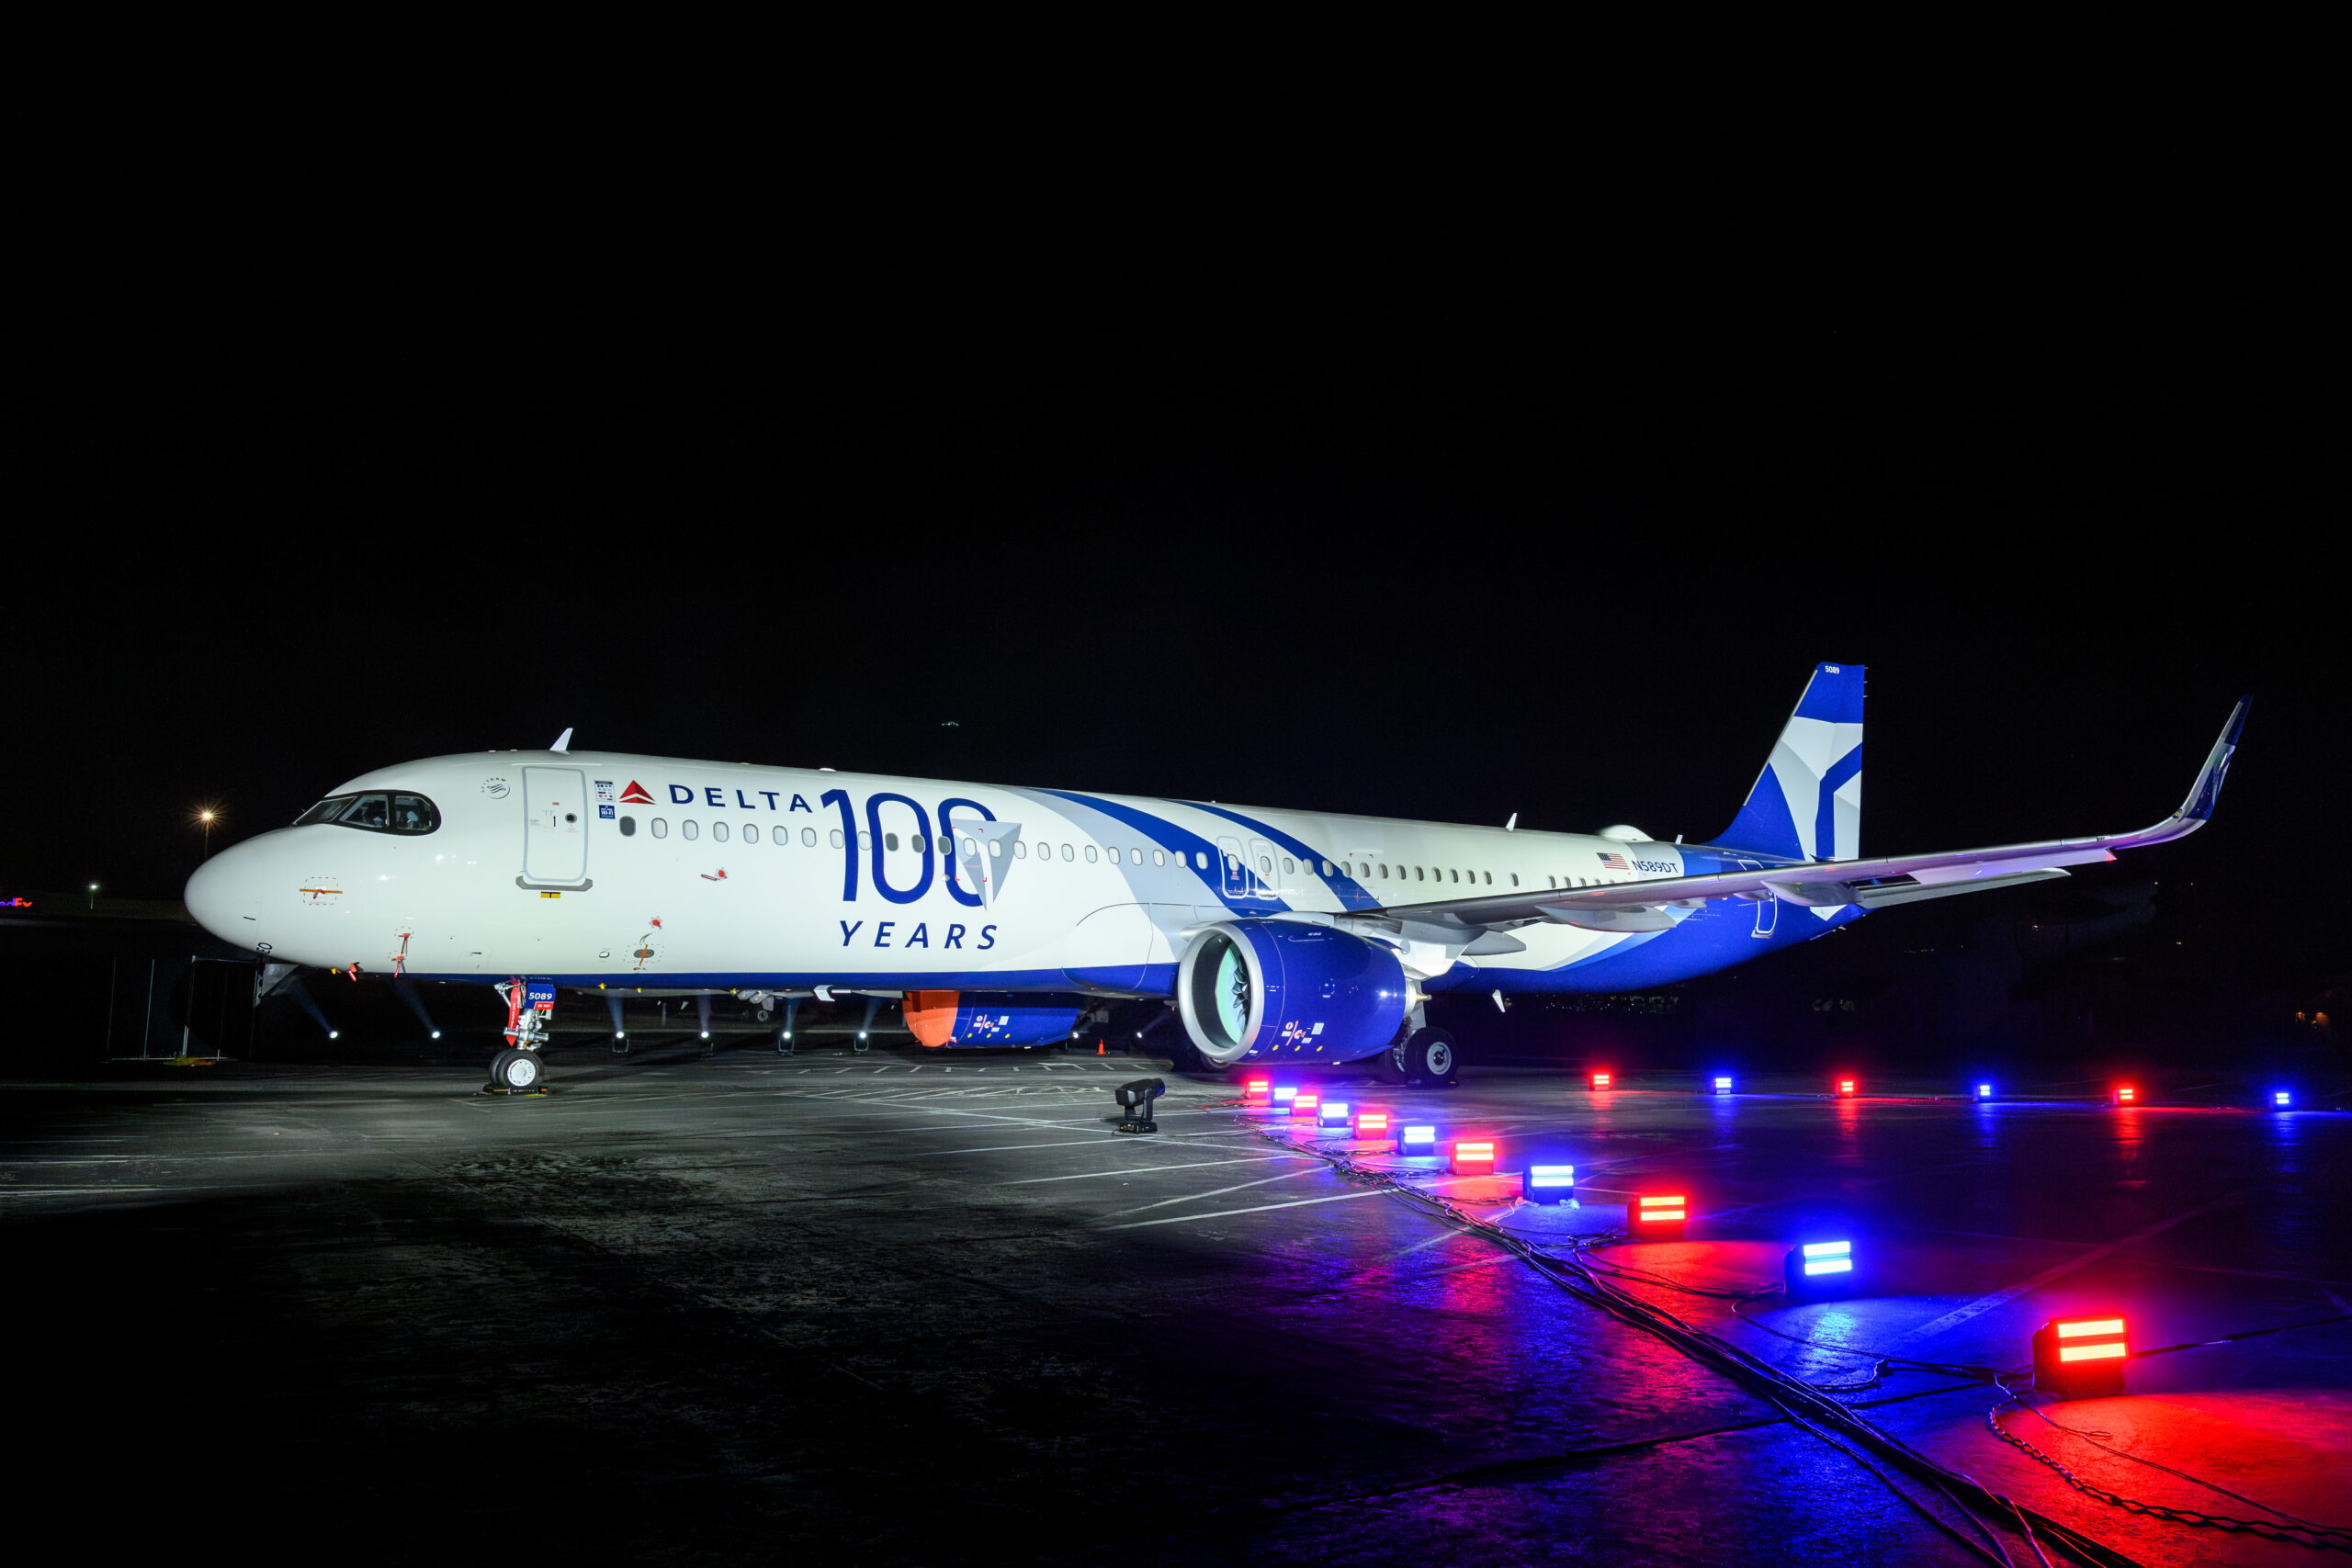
[223,897]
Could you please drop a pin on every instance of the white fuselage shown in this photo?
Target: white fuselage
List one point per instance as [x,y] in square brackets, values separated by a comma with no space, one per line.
[600,868]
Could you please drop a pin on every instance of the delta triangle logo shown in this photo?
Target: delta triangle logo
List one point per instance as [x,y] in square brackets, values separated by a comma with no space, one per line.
[634,795]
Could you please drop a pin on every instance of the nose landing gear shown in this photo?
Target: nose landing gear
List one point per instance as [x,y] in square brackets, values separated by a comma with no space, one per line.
[518,1069]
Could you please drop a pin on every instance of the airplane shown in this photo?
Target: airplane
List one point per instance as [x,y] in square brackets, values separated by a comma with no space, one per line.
[1001,916]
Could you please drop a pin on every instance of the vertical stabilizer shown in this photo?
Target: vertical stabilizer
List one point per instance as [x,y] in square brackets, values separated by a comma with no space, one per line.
[1807,803]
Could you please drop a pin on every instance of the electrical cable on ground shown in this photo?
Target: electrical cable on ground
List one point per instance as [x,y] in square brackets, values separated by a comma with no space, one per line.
[2297,1531]
[1811,1409]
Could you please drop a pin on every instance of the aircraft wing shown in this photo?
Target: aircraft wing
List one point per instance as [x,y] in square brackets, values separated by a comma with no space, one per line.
[1874,883]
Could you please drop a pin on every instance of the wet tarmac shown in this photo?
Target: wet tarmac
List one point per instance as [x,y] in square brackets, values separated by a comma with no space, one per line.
[898,1308]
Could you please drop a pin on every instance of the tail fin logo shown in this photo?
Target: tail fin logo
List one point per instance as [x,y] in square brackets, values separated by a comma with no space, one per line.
[1807,803]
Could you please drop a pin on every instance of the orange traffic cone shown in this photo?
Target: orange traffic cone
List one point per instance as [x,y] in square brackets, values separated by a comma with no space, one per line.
[1098,1047]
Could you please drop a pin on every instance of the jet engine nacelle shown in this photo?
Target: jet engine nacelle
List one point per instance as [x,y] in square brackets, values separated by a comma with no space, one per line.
[1249,989]
[987,1018]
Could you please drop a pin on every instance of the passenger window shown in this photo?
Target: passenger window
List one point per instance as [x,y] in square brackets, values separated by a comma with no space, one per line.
[1452,876]
[1288,869]
[890,841]
[688,829]
[1490,877]
[864,839]
[1384,870]
[1417,873]
[970,848]
[1089,854]
[1363,868]
[1159,858]
[629,827]
[1070,853]
[718,832]
[837,838]
[996,848]
[661,827]
[1551,882]
[1020,850]
[1203,859]
[809,837]
[1514,879]
[365,811]
[750,833]
[1266,866]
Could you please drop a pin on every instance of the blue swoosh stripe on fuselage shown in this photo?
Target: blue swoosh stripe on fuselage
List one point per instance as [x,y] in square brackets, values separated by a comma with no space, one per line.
[1347,889]
[1182,840]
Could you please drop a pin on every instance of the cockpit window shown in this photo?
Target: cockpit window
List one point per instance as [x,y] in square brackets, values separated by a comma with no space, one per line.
[376,813]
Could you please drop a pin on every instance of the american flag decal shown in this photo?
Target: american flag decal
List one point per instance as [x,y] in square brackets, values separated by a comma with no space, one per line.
[1616,863]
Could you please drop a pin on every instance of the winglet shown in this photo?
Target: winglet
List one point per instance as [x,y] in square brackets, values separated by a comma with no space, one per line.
[2198,806]
[562,742]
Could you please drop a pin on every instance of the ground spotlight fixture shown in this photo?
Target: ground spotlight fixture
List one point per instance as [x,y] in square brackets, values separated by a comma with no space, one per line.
[1818,1270]
[334,1033]
[2080,1358]
[1332,1114]
[2124,1095]
[1548,1183]
[1372,1126]
[1282,1095]
[1257,1094]
[436,1035]
[1599,1081]
[1657,1216]
[1134,1104]
[2282,1099]
[1846,1088]
[1472,1156]
[1984,1092]
[1420,1139]
[1305,1102]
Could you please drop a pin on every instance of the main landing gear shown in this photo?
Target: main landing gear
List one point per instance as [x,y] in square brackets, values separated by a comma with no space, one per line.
[518,1069]
[1427,1057]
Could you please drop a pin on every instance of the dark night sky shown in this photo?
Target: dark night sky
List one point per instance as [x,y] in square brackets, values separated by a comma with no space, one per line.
[1428,542]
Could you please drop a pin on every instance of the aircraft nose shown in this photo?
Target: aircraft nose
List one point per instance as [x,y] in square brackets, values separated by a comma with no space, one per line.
[223,896]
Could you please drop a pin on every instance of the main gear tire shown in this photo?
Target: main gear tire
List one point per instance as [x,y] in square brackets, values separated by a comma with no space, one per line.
[1429,1059]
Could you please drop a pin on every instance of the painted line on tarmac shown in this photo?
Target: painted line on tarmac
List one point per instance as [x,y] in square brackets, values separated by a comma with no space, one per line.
[75,1191]
[1145,1170]
[1260,1209]
[1214,1192]
[1002,1148]
[2001,1298]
